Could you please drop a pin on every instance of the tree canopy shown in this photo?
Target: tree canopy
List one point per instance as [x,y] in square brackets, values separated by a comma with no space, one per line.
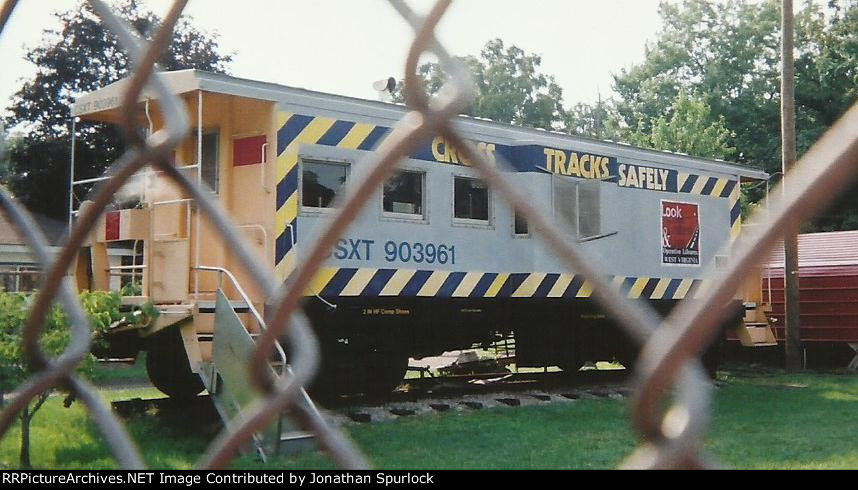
[687,129]
[728,53]
[79,57]
[511,88]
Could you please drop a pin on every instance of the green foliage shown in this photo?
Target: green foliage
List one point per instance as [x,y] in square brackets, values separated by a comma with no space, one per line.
[102,309]
[599,121]
[510,87]
[728,53]
[688,129]
[78,58]
[131,288]
[5,164]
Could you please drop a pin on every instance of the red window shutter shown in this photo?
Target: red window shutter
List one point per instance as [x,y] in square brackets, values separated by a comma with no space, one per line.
[247,151]
[111,228]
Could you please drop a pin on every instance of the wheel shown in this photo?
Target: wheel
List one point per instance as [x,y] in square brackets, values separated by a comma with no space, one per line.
[168,367]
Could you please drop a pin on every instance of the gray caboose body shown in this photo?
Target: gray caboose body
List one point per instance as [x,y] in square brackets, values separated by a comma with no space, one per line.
[436,261]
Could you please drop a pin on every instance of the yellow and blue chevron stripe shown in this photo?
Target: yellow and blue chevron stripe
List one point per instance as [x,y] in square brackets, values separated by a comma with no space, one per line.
[369,282]
[295,130]
[735,213]
[700,185]
[718,187]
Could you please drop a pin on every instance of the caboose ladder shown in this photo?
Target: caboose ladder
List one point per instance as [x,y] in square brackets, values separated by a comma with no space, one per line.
[227,374]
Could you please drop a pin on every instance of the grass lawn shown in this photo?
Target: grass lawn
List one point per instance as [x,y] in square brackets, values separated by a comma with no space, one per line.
[761,421]
[120,374]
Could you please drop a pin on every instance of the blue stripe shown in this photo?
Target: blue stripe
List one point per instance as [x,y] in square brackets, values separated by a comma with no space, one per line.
[513,281]
[336,133]
[287,186]
[284,241]
[695,285]
[415,283]
[689,184]
[338,282]
[378,281]
[290,131]
[373,137]
[649,288]
[573,287]
[450,285]
[735,212]
[710,184]
[483,285]
[627,284]
[546,285]
[671,288]
[728,189]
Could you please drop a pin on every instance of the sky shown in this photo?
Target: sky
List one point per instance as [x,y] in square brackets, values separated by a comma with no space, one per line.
[342,46]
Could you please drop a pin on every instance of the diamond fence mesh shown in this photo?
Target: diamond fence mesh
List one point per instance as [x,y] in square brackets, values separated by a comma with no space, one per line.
[668,372]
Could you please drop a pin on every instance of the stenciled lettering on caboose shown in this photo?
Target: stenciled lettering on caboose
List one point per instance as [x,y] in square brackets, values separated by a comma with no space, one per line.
[444,152]
[650,178]
[583,165]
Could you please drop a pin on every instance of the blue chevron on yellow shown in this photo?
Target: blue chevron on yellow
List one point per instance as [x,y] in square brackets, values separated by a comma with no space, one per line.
[369,282]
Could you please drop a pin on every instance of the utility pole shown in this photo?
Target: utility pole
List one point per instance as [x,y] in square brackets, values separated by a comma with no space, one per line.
[791,291]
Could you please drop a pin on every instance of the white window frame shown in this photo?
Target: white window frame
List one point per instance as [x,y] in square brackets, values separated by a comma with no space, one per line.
[325,161]
[218,150]
[526,222]
[423,217]
[477,223]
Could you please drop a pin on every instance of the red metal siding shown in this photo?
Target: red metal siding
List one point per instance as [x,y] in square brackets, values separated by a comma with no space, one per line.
[828,285]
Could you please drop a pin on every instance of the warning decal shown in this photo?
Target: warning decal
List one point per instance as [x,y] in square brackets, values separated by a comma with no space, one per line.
[680,233]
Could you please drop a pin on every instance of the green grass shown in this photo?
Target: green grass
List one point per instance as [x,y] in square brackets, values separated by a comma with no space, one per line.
[761,421]
[119,374]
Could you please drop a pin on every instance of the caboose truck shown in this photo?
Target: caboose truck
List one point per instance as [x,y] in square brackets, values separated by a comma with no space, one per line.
[436,261]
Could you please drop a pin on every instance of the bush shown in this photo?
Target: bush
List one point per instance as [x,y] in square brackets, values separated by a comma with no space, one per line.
[101,307]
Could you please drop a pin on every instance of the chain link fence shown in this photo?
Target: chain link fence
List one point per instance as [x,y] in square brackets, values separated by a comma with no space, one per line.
[668,373]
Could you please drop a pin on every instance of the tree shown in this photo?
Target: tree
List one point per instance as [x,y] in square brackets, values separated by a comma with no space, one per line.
[688,129]
[510,87]
[102,309]
[5,164]
[78,58]
[729,53]
[599,121]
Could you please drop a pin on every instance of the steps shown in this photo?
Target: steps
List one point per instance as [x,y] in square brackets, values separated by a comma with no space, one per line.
[227,375]
[756,328]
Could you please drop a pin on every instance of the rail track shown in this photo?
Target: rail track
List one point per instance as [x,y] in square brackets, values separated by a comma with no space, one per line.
[421,396]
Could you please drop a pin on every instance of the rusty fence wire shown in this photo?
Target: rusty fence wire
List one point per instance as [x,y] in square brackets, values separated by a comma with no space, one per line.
[668,373]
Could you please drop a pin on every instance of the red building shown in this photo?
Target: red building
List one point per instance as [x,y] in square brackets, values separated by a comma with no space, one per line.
[828,284]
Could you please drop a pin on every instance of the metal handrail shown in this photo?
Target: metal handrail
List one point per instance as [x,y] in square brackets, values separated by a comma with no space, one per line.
[253,311]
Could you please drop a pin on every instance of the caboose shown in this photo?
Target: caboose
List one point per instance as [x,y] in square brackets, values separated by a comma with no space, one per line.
[436,261]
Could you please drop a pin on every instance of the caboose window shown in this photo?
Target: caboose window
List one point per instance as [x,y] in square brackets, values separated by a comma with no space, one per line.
[589,215]
[519,224]
[566,203]
[470,199]
[209,159]
[576,205]
[403,194]
[321,182]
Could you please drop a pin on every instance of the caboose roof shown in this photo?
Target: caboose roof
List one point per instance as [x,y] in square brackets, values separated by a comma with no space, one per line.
[102,104]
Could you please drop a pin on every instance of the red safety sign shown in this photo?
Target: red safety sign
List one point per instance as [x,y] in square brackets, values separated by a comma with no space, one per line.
[680,233]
